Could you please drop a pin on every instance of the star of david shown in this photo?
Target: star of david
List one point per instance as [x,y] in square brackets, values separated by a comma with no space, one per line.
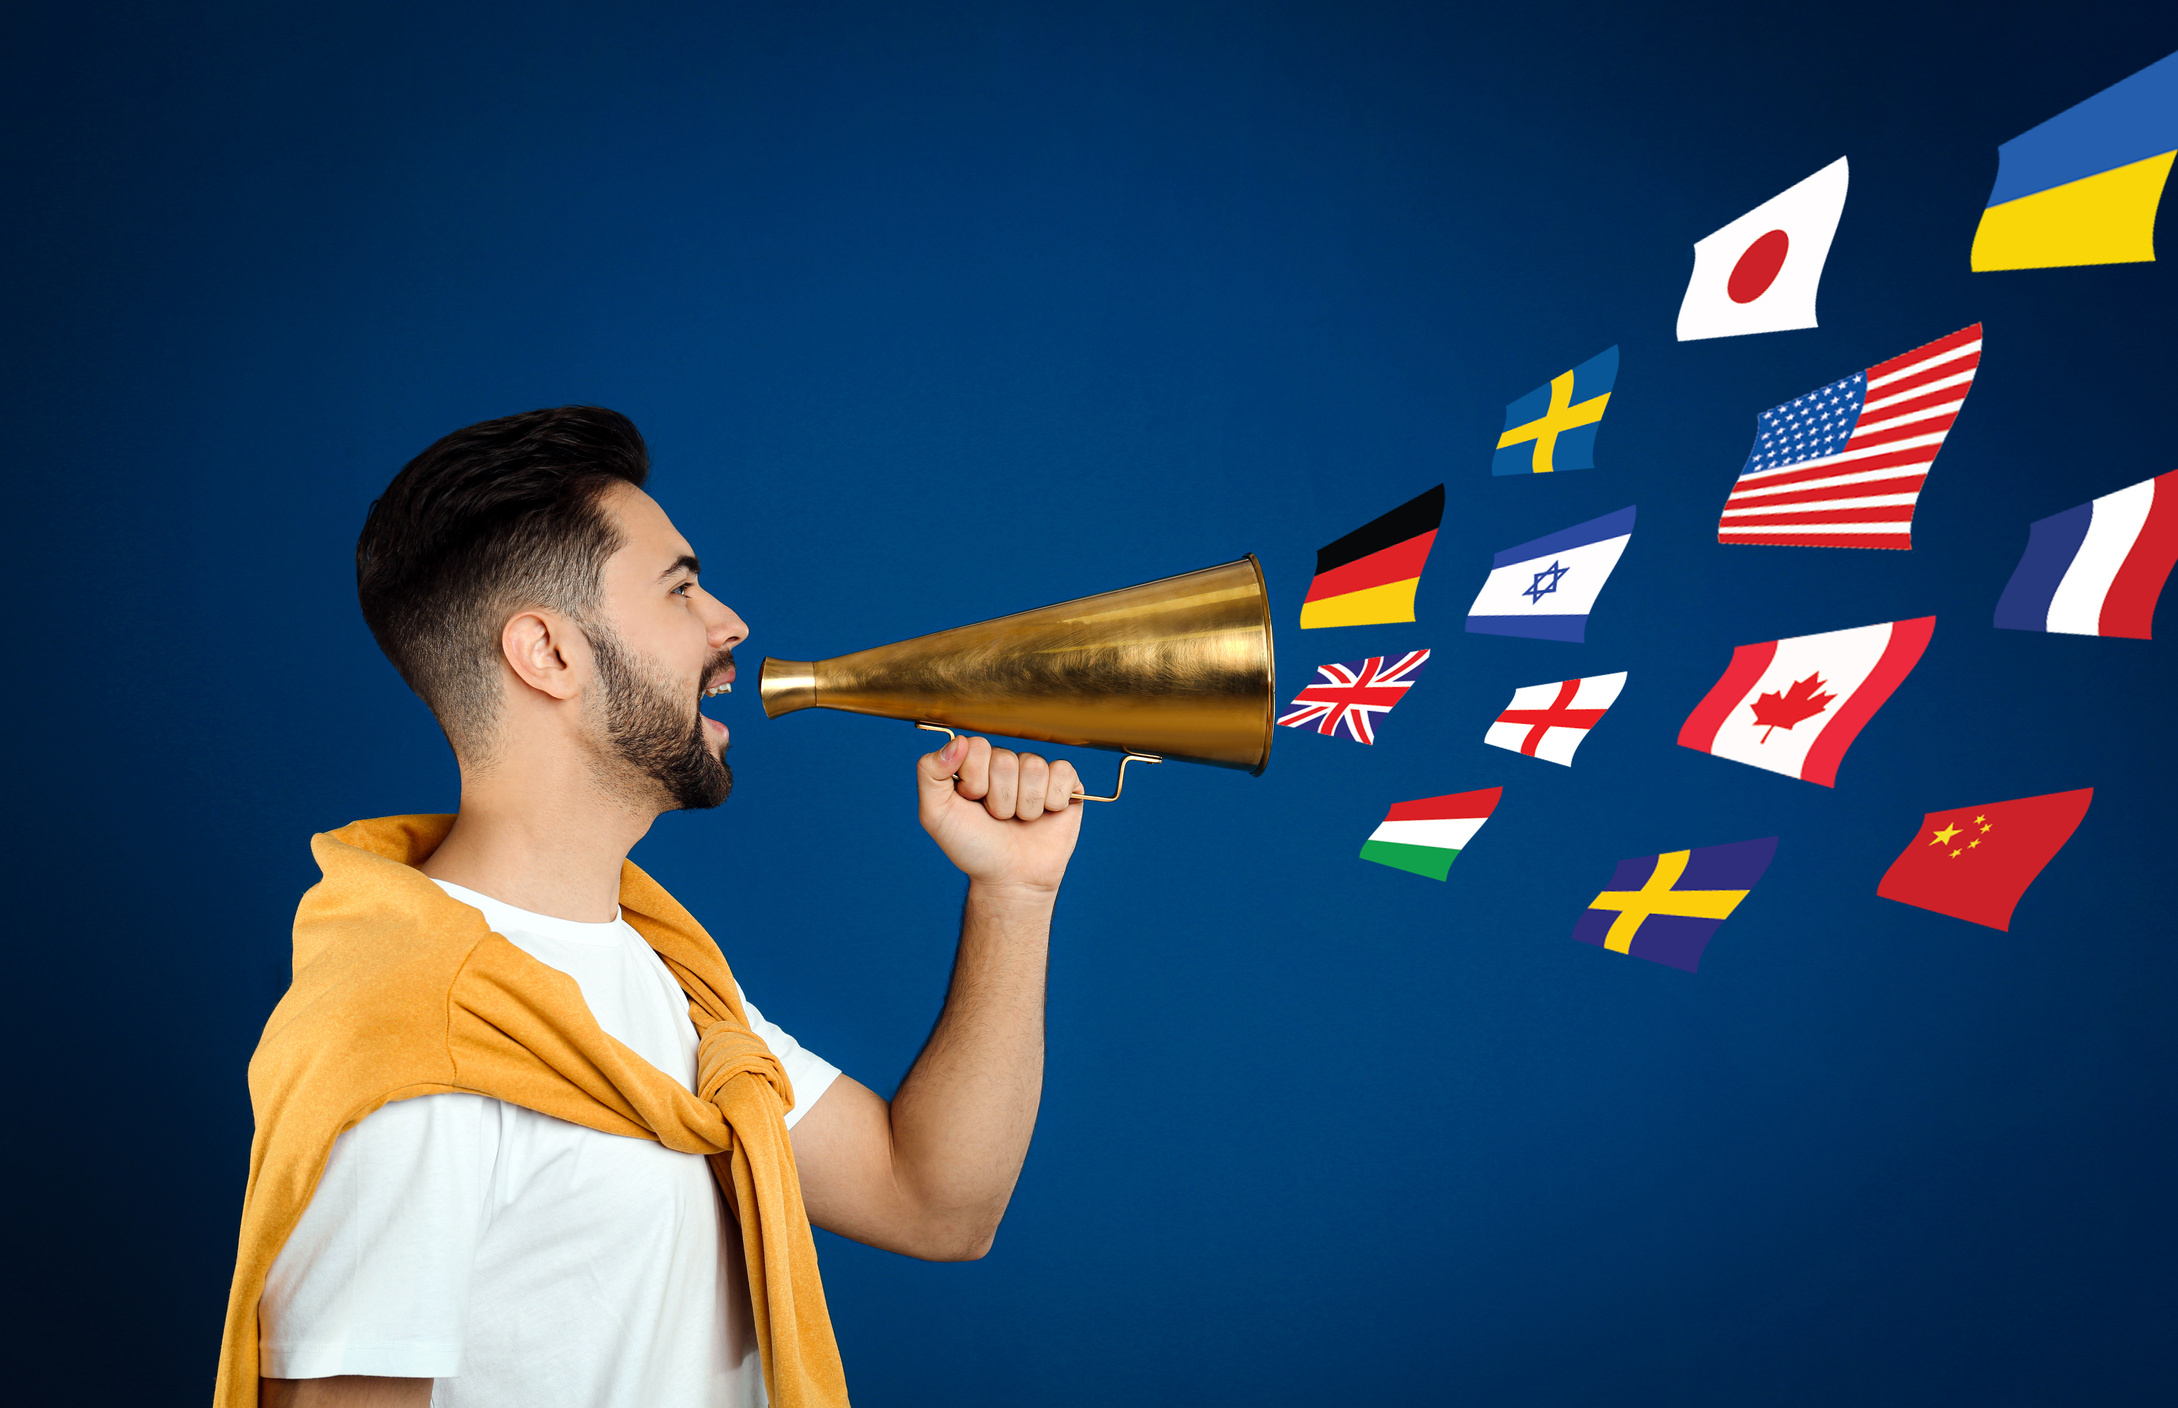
[1537,591]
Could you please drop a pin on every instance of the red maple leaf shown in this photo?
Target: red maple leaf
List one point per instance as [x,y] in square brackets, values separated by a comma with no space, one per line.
[1803,701]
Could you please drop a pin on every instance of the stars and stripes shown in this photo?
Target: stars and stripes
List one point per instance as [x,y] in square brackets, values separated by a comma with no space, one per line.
[1344,702]
[1843,467]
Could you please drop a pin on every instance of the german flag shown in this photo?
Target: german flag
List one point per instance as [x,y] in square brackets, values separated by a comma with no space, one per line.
[1368,577]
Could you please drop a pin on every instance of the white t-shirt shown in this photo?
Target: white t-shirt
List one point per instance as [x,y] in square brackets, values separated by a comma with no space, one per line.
[522,1261]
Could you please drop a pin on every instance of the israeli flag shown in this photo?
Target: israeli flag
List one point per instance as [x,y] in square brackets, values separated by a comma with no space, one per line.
[1545,589]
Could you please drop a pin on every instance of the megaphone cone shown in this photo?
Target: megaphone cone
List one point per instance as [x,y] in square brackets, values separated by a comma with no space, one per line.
[1180,668]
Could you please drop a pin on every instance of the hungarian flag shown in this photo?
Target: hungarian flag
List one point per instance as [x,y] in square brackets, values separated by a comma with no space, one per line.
[1759,273]
[1546,588]
[1549,721]
[1795,705]
[1974,863]
[1368,577]
[2097,570]
[1843,467]
[1349,694]
[1425,837]
[1664,908]
[1554,426]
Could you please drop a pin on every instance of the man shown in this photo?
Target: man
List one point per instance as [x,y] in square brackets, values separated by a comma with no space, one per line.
[491,1108]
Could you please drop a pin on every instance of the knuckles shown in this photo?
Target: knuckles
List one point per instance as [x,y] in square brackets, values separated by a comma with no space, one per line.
[1014,786]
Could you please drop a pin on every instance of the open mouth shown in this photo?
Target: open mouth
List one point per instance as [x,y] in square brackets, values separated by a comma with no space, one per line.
[719,683]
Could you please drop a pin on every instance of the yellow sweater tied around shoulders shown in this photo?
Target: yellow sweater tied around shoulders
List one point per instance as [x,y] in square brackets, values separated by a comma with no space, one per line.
[401,990]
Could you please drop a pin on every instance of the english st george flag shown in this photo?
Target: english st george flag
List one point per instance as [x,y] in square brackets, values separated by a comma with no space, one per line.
[1795,705]
[1760,273]
[1549,721]
[1349,694]
[1843,467]
[1369,576]
[1974,863]
[2097,570]
[1665,908]
[1545,589]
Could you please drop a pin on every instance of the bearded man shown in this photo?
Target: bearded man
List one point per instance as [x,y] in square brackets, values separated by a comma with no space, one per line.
[522,1142]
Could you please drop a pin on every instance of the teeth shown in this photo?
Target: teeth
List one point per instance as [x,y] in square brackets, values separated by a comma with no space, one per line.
[718,689]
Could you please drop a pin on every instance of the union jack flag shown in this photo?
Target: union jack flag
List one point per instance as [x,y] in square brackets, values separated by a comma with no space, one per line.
[1345,701]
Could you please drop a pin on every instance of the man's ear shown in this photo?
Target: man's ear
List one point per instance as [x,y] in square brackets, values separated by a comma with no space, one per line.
[547,651]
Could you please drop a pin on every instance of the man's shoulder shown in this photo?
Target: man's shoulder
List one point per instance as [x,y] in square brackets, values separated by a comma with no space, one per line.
[372,990]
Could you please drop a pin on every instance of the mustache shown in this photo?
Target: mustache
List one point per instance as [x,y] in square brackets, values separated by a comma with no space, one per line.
[720,660]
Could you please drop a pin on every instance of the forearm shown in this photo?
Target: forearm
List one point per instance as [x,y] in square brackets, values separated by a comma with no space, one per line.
[930,1173]
[961,1120]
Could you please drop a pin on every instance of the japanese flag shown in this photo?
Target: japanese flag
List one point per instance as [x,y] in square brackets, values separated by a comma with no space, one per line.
[1795,705]
[1759,273]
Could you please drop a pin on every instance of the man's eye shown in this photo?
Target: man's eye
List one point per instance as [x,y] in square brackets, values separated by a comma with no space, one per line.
[682,589]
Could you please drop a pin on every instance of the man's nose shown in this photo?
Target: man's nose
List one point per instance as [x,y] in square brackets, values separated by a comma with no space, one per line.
[726,630]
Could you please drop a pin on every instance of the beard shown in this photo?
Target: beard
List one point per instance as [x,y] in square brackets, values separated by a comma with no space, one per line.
[650,732]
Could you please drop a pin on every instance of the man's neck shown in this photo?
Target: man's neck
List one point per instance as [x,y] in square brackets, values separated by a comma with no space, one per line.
[546,841]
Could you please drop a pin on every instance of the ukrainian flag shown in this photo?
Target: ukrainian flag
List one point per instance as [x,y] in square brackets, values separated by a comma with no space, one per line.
[2084,186]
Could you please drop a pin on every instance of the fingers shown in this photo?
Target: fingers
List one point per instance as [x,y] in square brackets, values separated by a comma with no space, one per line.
[1059,794]
[934,771]
[1024,786]
[1005,783]
[1035,780]
[975,769]
[1012,786]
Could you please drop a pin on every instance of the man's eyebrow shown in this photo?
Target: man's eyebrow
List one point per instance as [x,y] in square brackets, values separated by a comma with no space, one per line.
[685,562]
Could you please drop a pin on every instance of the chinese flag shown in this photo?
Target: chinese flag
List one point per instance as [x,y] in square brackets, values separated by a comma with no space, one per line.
[1974,863]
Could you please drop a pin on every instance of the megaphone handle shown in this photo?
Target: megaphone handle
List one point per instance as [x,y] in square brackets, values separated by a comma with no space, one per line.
[1117,787]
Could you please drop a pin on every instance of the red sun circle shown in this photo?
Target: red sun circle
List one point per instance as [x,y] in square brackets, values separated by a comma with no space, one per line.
[1757,268]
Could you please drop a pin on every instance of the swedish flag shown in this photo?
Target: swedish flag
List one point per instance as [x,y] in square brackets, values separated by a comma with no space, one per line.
[1554,427]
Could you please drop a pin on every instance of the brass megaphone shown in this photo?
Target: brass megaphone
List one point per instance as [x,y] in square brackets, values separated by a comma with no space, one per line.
[1180,668]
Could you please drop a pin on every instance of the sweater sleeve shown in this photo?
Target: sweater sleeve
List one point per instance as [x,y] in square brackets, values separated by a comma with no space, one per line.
[810,1074]
[376,1277]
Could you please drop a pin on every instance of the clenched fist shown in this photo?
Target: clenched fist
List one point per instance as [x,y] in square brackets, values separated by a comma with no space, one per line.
[1008,820]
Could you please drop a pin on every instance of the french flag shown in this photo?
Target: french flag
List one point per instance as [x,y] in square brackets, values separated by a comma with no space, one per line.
[2097,570]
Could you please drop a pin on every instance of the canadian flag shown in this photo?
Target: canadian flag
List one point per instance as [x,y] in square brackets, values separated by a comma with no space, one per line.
[1794,706]
[1760,273]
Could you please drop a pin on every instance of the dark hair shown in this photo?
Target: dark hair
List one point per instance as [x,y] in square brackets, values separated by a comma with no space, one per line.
[493,519]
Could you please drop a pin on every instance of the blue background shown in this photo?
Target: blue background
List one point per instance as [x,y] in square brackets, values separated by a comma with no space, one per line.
[934,312]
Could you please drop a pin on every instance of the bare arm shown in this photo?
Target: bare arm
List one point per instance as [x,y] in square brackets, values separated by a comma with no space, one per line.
[931,1173]
[345,1391]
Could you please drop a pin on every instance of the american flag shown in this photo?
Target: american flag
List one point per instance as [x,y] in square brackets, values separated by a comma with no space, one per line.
[1350,694]
[1843,466]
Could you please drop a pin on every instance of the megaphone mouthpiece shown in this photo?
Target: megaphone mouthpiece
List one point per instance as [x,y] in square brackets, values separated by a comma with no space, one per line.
[786,685]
